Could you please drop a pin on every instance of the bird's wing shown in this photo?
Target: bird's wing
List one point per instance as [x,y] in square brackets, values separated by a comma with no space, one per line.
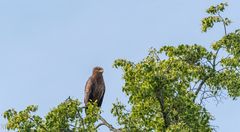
[101,99]
[89,90]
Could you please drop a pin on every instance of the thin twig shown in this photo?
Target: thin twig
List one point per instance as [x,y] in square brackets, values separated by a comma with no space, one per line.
[224,24]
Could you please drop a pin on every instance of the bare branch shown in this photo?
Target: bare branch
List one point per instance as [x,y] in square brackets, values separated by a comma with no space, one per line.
[224,24]
[199,88]
[99,125]
[104,122]
[195,84]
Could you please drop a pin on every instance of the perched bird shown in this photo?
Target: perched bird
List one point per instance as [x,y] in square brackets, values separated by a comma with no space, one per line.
[95,87]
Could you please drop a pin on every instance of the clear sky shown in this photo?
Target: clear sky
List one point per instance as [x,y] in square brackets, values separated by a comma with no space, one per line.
[49,47]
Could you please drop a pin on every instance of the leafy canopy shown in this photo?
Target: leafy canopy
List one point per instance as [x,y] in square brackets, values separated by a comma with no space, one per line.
[166,90]
[168,94]
[67,116]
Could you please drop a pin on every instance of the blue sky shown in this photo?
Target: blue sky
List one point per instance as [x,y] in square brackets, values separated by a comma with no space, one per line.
[48,48]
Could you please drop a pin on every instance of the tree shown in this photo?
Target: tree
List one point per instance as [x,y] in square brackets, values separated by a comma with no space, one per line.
[164,94]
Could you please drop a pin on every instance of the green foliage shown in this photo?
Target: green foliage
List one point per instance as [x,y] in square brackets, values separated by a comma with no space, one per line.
[214,17]
[168,94]
[164,94]
[229,74]
[158,91]
[66,117]
[213,10]
[23,120]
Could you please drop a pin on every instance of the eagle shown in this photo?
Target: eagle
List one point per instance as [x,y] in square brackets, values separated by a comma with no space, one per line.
[95,87]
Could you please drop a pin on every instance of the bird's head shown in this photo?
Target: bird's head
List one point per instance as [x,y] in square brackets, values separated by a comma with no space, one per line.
[98,70]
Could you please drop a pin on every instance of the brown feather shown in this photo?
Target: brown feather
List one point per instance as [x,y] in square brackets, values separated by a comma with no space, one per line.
[95,87]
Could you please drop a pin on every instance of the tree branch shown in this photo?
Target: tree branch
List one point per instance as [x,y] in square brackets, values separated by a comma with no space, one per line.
[199,88]
[104,122]
[161,101]
[224,24]
[160,97]
[82,122]
[99,125]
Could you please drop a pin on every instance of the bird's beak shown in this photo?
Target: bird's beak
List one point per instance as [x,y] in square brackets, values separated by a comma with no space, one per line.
[101,71]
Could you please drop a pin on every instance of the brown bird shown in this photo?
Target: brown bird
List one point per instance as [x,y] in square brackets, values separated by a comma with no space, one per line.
[95,87]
